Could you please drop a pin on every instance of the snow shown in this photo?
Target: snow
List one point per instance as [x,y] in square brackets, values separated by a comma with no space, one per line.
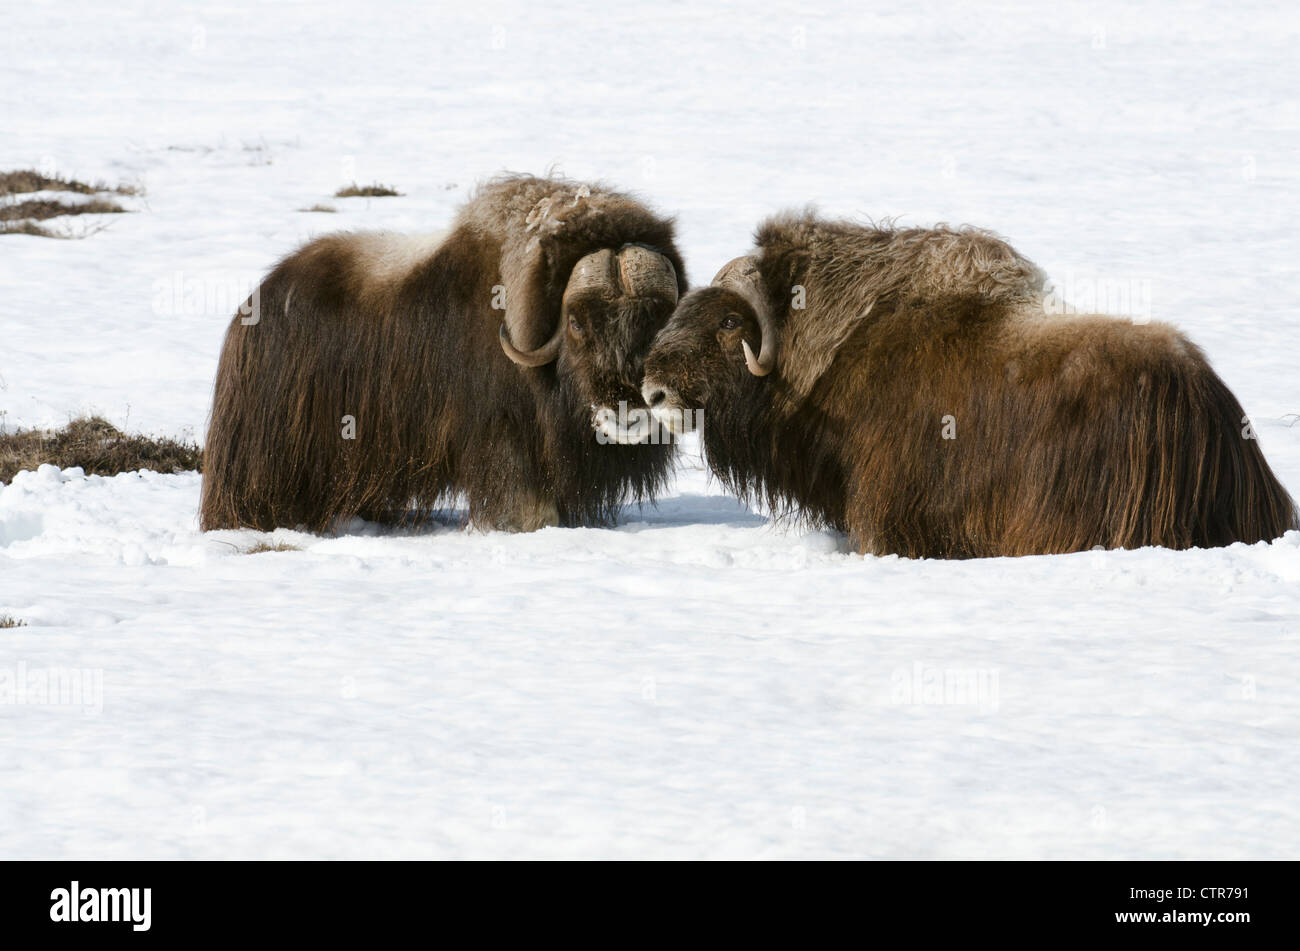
[697,681]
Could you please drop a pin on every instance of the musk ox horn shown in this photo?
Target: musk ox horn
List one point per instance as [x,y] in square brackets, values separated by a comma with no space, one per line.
[543,355]
[647,273]
[742,276]
[594,270]
[636,270]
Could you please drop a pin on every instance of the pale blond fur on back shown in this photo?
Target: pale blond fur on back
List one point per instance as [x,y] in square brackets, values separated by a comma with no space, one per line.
[844,268]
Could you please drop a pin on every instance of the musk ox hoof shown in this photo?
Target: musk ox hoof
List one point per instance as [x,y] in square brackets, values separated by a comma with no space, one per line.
[530,516]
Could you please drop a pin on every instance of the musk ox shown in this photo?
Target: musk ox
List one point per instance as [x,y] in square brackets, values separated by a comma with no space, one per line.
[909,388]
[381,376]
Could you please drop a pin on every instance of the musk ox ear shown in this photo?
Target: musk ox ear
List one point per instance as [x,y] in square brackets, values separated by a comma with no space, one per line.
[532,331]
[742,276]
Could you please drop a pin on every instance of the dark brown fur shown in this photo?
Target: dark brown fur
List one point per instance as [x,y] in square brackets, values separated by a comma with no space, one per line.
[406,344]
[1071,431]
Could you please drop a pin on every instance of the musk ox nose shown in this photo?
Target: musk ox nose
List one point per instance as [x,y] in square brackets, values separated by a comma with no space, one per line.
[654,394]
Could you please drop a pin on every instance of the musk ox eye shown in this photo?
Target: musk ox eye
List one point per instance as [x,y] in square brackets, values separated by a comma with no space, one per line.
[731,322]
[575,327]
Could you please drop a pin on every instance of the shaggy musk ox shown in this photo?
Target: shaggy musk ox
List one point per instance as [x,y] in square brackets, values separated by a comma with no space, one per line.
[381,376]
[908,388]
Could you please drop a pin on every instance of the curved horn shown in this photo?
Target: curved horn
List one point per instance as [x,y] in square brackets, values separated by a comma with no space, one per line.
[647,273]
[741,275]
[594,270]
[546,353]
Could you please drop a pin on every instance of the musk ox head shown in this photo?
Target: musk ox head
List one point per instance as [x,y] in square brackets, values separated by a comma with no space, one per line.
[707,351]
[613,304]
[587,276]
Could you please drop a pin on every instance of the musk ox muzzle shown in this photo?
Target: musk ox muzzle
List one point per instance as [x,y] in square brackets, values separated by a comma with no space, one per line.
[668,409]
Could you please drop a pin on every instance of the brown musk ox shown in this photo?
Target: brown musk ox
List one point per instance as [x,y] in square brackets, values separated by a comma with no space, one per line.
[909,388]
[381,376]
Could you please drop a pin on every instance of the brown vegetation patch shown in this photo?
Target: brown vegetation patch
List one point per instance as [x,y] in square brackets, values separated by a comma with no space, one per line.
[97,446]
[44,208]
[21,216]
[31,228]
[29,180]
[374,190]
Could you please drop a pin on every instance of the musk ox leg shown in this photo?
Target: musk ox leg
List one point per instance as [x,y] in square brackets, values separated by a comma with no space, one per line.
[506,483]
[864,544]
[521,510]
[870,516]
[867,538]
[531,513]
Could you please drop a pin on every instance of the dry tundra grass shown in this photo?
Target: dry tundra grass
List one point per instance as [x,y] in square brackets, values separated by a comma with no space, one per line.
[374,190]
[262,547]
[25,180]
[21,216]
[43,208]
[97,446]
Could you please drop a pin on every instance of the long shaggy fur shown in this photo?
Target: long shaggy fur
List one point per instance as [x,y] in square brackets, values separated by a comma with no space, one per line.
[401,336]
[1069,432]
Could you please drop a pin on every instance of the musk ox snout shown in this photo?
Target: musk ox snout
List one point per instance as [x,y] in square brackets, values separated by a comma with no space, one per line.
[668,409]
[627,425]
